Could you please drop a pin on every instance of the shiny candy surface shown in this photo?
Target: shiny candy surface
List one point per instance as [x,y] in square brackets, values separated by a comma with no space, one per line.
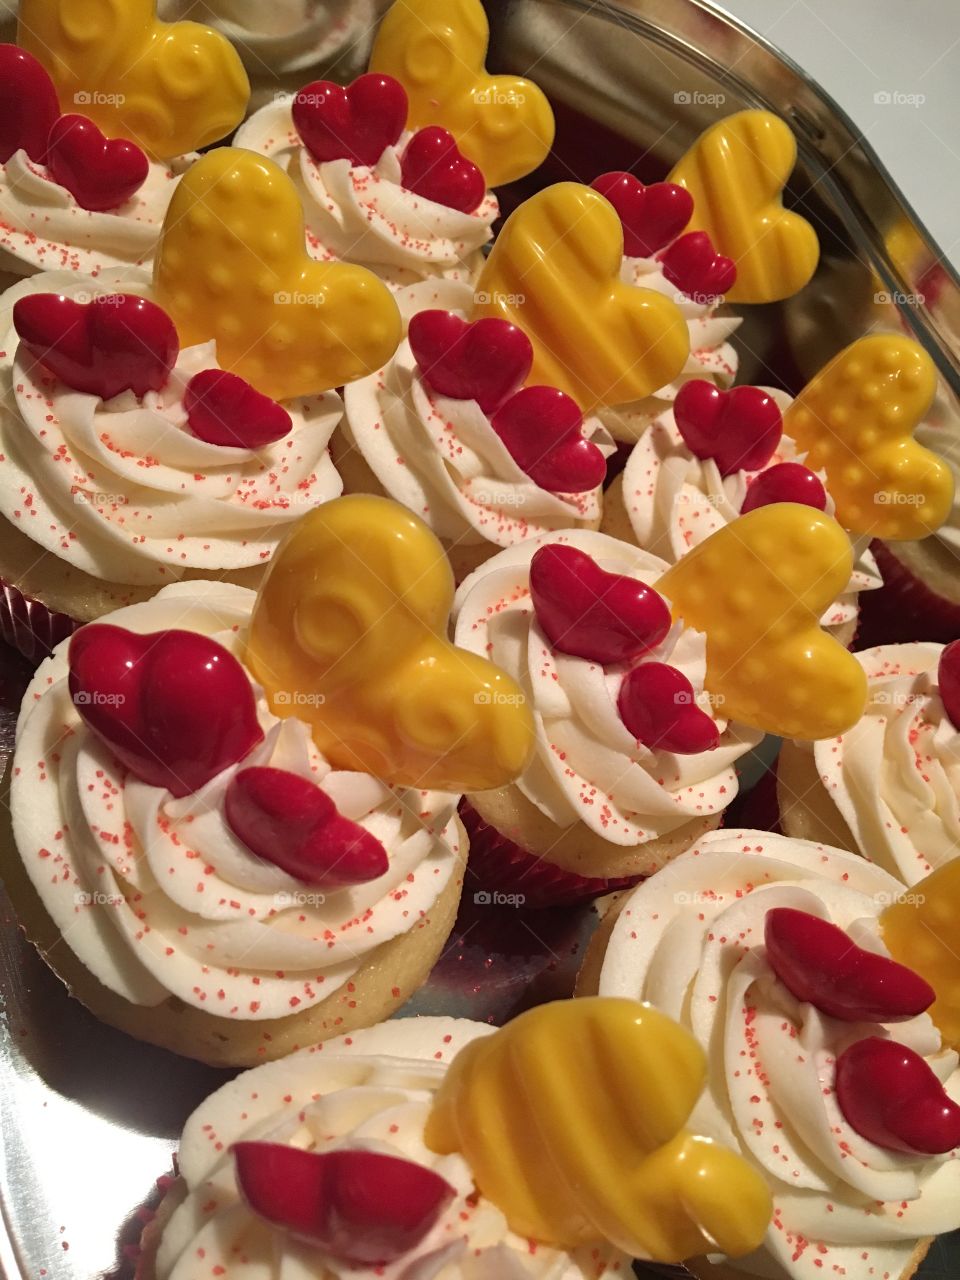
[99,173]
[356,122]
[697,269]
[433,167]
[28,104]
[651,216]
[223,409]
[542,428]
[740,428]
[785,482]
[921,930]
[657,704]
[892,1097]
[486,361]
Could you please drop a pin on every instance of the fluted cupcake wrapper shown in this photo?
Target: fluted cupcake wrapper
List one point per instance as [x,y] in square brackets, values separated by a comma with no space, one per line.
[30,626]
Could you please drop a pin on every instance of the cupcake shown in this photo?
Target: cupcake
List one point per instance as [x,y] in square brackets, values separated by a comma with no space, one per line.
[448,429]
[823,1057]
[365,1159]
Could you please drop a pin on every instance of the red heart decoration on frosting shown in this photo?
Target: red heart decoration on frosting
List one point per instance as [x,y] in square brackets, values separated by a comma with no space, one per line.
[589,613]
[740,429]
[175,707]
[541,426]
[356,123]
[658,705]
[289,821]
[28,105]
[893,1098]
[100,173]
[434,167]
[948,680]
[486,360]
[357,1206]
[118,342]
[820,964]
[694,266]
[651,216]
[786,482]
[222,408]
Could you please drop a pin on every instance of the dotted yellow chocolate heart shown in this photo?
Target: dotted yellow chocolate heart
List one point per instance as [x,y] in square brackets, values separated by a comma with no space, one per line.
[437,49]
[555,272]
[168,87]
[736,172]
[920,930]
[855,421]
[232,265]
[757,588]
[349,633]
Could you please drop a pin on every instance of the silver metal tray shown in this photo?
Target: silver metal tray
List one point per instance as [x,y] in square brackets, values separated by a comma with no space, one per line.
[90,1118]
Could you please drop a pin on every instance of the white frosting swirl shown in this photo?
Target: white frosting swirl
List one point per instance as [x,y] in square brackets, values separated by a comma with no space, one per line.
[690,941]
[895,776]
[364,215]
[588,767]
[42,228]
[157,897]
[442,458]
[373,1090]
[123,490]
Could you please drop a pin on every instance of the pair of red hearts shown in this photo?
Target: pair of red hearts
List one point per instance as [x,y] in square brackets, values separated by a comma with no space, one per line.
[488,360]
[99,173]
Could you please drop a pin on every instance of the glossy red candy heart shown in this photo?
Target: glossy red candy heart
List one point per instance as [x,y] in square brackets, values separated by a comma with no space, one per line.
[694,266]
[786,482]
[289,821]
[433,167]
[948,681]
[118,342]
[820,964]
[100,173]
[657,704]
[589,613]
[356,123]
[486,360]
[740,429]
[222,408]
[173,706]
[893,1098]
[28,105]
[541,426]
[357,1206]
[651,216]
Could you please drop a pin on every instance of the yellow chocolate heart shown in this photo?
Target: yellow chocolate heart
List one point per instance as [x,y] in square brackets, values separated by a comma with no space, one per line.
[169,87]
[436,49]
[232,265]
[349,633]
[555,271]
[855,421]
[757,588]
[920,930]
[736,172]
[571,1119]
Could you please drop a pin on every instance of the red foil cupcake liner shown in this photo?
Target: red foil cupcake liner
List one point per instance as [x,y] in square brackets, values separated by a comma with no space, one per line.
[30,626]
[498,865]
[904,608]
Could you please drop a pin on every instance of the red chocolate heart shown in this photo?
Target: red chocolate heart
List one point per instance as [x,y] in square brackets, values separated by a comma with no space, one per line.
[821,965]
[486,361]
[28,105]
[357,1206]
[541,426]
[433,167]
[589,613]
[657,704]
[694,266]
[786,482]
[222,408]
[173,706]
[891,1097]
[100,173]
[356,123]
[289,821]
[118,342]
[948,680]
[740,429]
[651,216]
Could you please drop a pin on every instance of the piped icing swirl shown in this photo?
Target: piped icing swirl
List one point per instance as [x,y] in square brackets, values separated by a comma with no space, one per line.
[157,897]
[690,940]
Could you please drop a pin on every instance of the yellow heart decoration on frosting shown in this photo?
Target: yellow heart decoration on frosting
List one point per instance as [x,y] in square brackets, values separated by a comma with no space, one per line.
[555,272]
[571,1119]
[855,421]
[169,87]
[757,588]
[920,930]
[232,265]
[736,172]
[349,633]
[437,49]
